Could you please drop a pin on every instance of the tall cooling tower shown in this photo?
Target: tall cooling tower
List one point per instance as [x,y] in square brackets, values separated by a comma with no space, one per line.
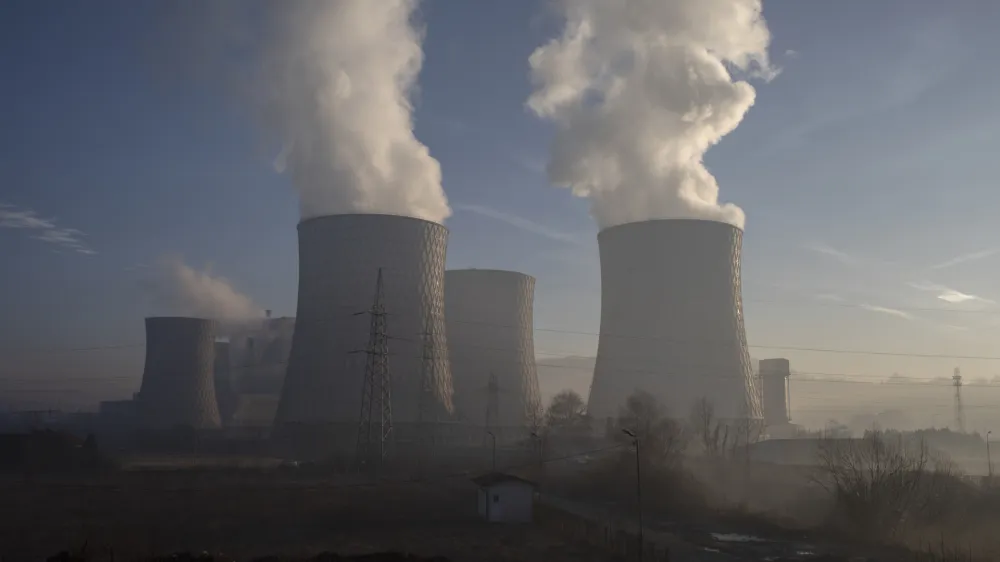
[339,260]
[672,319]
[489,318]
[177,384]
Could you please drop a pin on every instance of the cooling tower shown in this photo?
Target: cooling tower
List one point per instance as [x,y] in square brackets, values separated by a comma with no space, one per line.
[222,374]
[774,375]
[672,319]
[489,320]
[177,384]
[339,260]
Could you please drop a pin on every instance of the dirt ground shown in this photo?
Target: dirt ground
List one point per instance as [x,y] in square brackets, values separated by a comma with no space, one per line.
[245,515]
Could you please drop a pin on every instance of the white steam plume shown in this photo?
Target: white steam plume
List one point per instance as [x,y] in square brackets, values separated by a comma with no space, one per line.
[178,289]
[337,78]
[640,90]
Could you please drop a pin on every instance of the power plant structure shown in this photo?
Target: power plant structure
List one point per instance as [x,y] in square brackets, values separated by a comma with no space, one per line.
[339,261]
[489,320]
[222,373]
[774,375]
[177,388]
[672,319]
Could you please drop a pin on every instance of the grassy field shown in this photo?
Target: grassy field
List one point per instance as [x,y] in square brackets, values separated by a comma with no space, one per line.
[245,514]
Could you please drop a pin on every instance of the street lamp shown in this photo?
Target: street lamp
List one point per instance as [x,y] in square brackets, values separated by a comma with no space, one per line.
[490,433]
[989,460]
[538,441]
[638,487]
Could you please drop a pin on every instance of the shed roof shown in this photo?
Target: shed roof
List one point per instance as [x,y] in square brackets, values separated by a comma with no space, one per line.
[492,478]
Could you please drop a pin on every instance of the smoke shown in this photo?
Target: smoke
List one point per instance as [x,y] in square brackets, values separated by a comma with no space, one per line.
[330,83]
[175,288]
[339,76]
[639,91]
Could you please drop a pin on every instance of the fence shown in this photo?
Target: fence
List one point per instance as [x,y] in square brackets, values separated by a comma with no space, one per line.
[610,535]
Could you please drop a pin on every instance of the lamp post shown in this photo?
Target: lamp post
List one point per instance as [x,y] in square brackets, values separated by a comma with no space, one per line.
[494,437]
[638,487]
[989,460]
[538,443]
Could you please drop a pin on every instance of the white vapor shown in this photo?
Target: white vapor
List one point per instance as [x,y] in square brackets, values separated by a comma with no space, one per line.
[178,289]
[973,256]
[890,311]
[948,294]
[517,222]
[43,229]
[639,91]
[337,79]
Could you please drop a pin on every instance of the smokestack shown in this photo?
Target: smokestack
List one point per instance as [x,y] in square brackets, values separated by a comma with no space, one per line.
[177,382]
[339,259]
[489,319]
[774,375]
[672,319]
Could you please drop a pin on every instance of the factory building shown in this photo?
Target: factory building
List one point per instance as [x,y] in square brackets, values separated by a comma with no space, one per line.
[177,388]
[672,319]
[491,344]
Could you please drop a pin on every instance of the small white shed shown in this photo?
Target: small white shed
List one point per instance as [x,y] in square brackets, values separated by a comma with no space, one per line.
[505,498]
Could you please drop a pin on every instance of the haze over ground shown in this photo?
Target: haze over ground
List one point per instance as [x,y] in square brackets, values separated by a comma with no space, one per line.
[865,168]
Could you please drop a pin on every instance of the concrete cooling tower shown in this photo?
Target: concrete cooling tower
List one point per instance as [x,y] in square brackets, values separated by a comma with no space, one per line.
[489,319]
[177,383]
[672,319]
[339,261]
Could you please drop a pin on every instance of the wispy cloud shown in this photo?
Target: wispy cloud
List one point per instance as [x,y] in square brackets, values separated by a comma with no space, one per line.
[890,311]
[842,257]
[43,228]
[517,222]
[791,53]
[948,294]
[972,256]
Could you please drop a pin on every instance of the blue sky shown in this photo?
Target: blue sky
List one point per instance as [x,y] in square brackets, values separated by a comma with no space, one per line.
[870,159]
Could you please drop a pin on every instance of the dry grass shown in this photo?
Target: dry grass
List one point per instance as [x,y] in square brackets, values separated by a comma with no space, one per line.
[247,515]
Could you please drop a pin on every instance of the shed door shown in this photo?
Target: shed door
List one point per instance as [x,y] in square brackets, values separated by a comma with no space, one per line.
[496,506]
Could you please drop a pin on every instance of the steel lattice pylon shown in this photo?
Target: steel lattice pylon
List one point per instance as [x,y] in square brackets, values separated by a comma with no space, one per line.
[375,426]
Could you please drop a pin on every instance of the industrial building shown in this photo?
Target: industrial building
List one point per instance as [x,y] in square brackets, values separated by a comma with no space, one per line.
[340,257]
[177,388]
[672,319]
[491,344]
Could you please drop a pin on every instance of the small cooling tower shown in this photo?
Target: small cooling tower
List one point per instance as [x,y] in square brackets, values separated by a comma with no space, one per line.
[672,319]
[177,384]
[774,375]
[489,318]
[339,261]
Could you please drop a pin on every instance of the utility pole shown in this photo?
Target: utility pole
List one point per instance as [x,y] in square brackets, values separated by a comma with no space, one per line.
[491,434]
[638,487]
[375,425]
[959,409]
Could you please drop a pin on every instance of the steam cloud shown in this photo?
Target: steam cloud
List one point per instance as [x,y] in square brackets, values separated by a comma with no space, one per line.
[338,78]
[640,90]
[176,288]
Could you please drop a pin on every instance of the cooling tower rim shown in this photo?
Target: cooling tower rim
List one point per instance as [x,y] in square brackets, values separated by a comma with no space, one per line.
[641,224]
[490,272]
[389,216]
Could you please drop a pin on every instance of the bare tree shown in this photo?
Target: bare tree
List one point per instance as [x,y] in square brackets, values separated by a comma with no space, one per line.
[566,410]
[663,439]
[709,432]
[874,480]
